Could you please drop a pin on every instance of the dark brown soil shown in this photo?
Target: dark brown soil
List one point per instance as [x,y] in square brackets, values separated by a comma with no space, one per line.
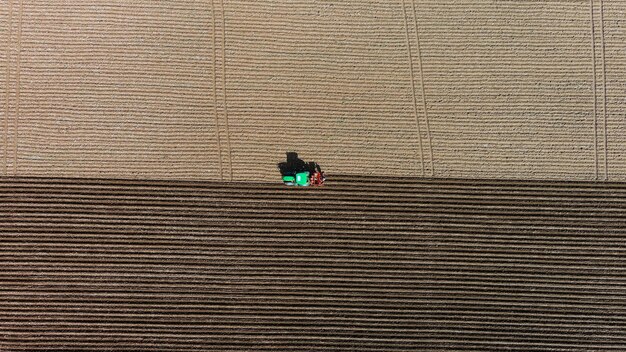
[360,265]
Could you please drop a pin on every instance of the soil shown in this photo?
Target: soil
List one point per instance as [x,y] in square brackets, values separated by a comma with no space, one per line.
[219,90]
[361,264]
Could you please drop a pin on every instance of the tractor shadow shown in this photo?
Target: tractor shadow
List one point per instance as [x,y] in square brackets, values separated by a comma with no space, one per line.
[294,164]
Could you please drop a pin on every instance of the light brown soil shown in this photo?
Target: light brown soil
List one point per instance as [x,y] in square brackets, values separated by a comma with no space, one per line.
[360,265]
[216,89]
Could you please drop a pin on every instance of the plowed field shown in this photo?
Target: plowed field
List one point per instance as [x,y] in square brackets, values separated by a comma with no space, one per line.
[360,265]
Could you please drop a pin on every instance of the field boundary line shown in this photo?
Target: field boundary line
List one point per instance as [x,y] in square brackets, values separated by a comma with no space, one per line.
[412,76]
[216,116]
[17,85]
[605,108]
[419,57]
[230,156]
[8,87]
[595,95]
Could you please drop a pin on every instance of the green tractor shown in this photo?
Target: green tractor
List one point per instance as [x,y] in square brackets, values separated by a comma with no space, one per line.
[299,179]
[295,172]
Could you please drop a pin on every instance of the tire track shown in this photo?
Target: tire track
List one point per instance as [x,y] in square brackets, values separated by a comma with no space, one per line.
[419,56]
[595,98]
[412,76]
[230,155]
[18,84]
[605,104]
[215,114]
[8,86]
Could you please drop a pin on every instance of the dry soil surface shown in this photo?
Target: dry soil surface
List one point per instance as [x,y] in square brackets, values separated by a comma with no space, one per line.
[214,89]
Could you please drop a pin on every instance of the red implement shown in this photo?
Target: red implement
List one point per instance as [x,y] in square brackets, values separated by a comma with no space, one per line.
[317,179]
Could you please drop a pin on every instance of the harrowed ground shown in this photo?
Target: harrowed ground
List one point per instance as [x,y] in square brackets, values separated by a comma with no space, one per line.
[215,90]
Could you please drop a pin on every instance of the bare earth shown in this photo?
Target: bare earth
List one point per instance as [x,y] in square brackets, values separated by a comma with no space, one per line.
[444,265]
[524,89]
[194,93]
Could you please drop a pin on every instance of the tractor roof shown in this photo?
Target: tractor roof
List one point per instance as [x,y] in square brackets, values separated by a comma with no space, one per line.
[302,178]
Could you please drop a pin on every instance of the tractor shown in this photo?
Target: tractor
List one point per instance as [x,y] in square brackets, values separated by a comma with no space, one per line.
[304,179]
[295,172]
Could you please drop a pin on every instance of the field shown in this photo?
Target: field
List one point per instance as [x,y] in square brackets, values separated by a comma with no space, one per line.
[473,148]
[361,265]
[210,90]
